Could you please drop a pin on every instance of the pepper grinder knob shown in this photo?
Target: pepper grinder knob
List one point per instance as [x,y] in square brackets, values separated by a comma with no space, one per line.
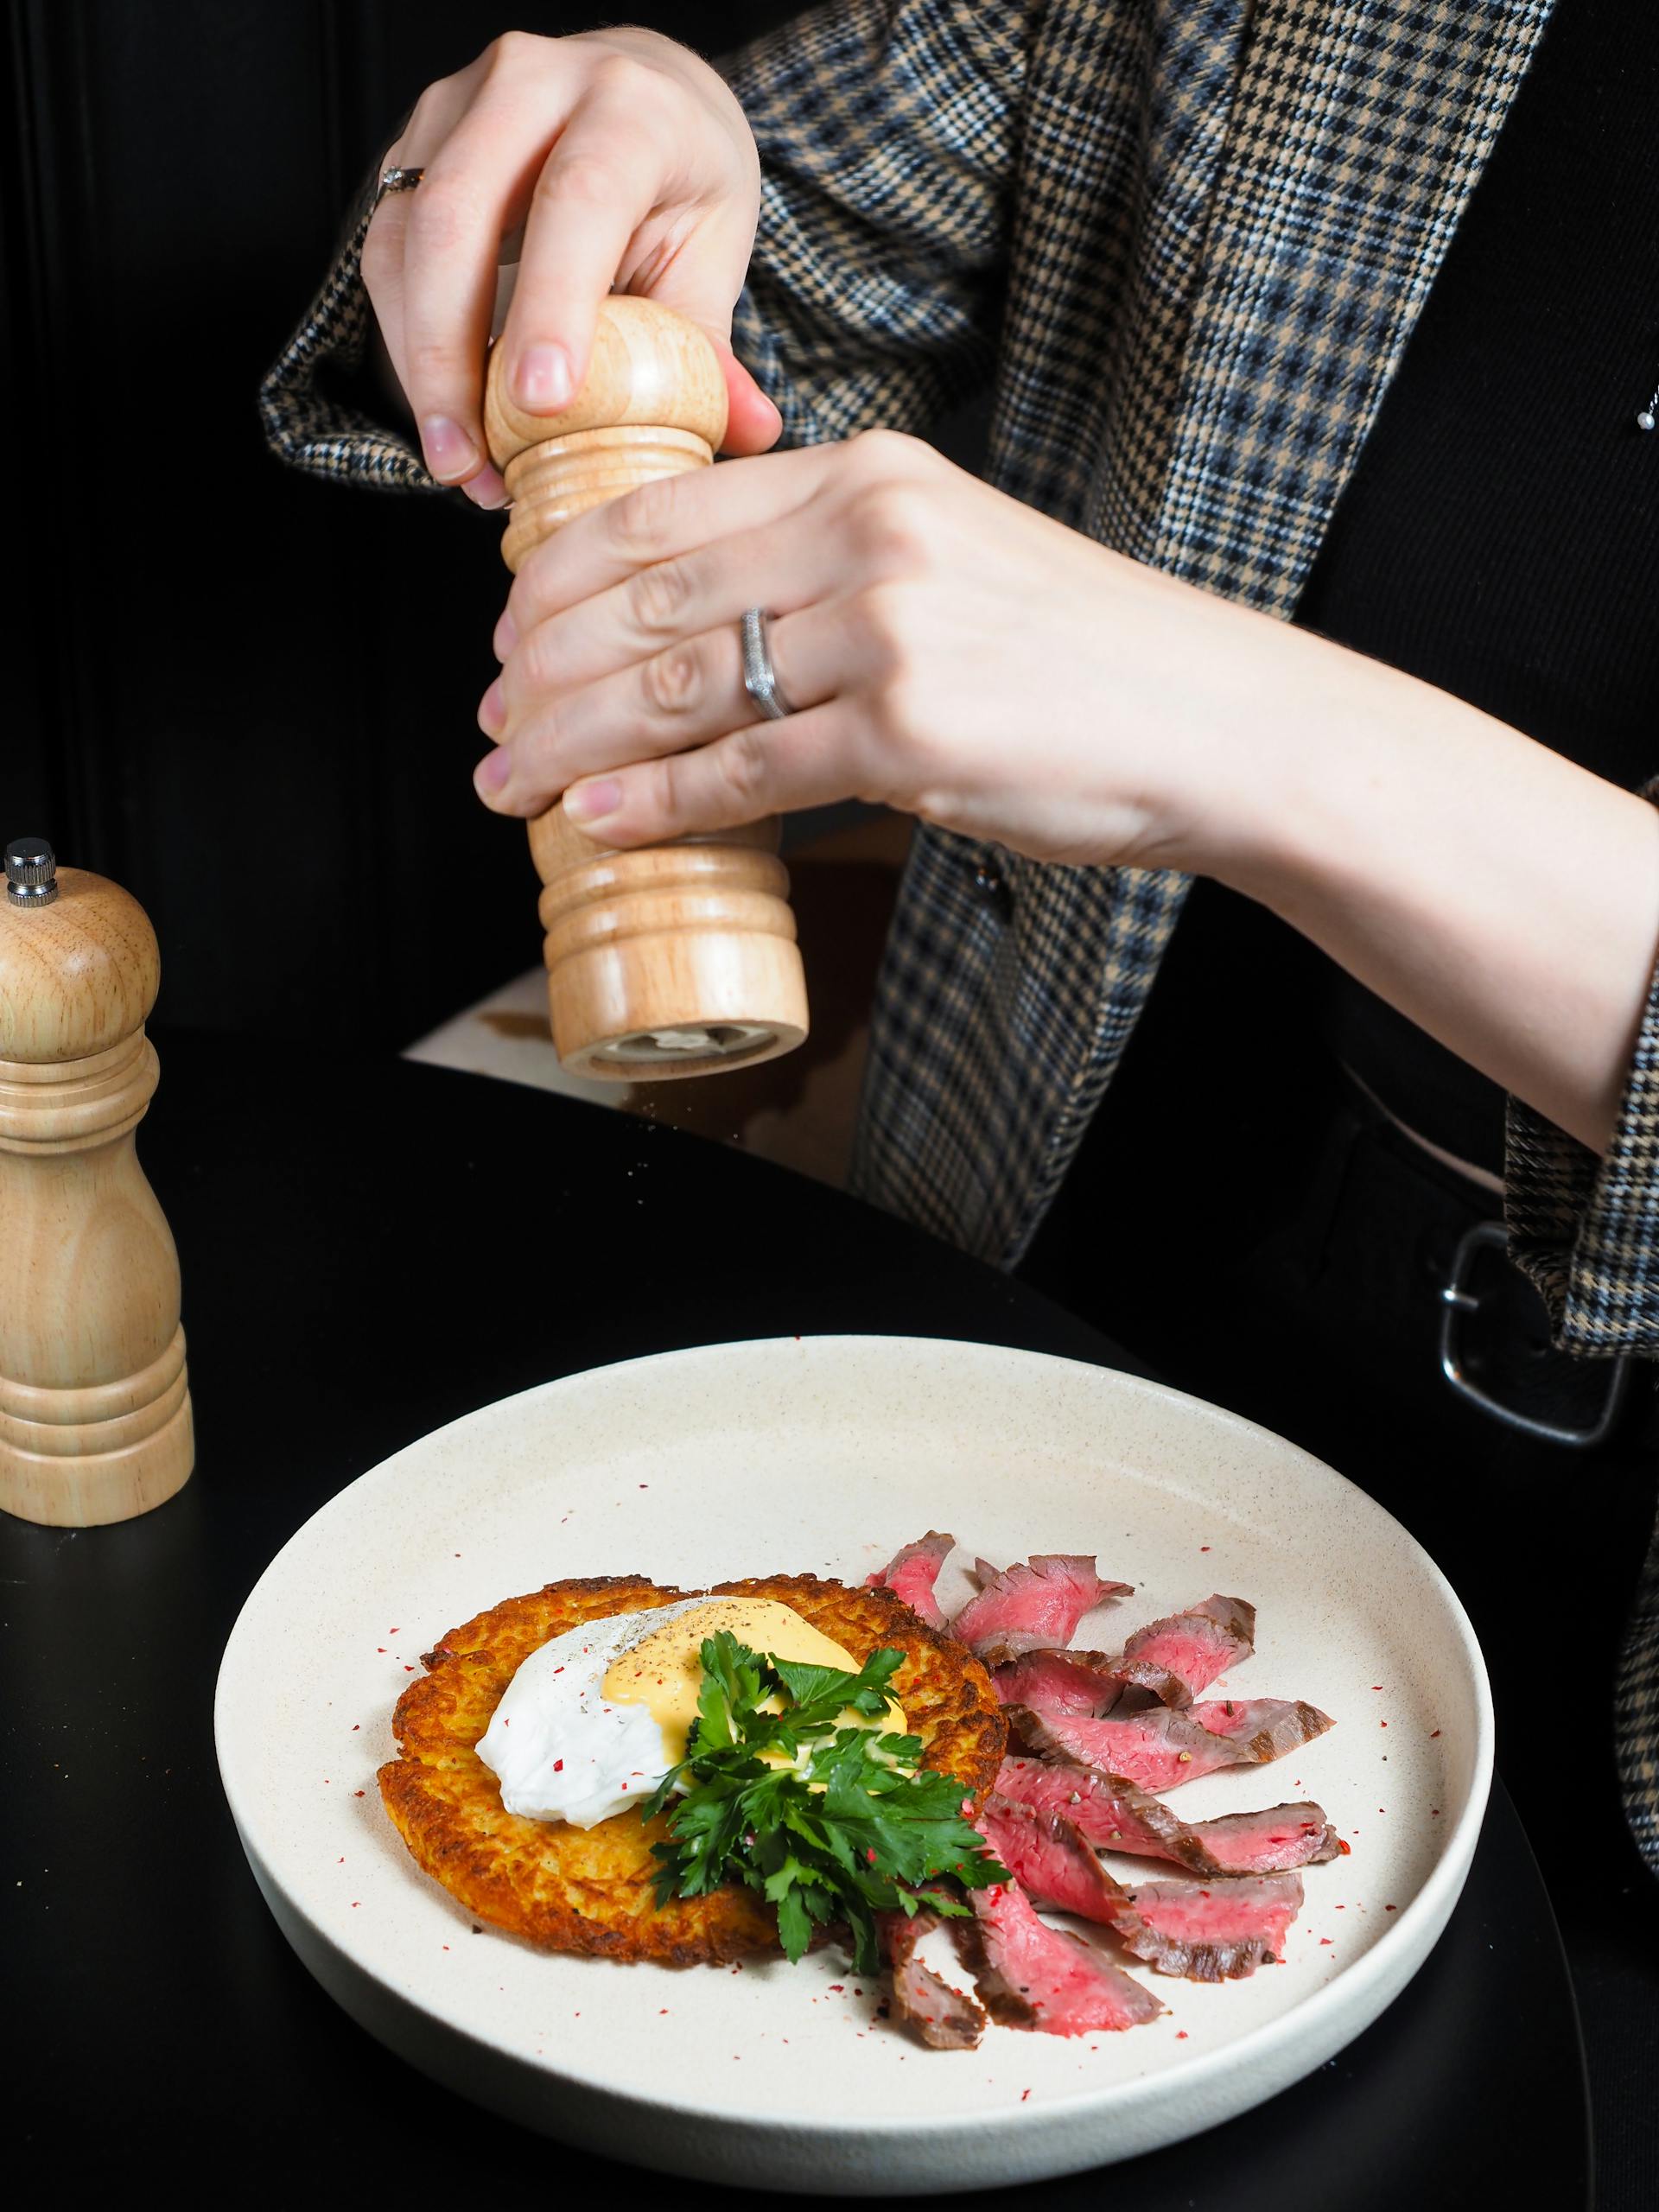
[31,872]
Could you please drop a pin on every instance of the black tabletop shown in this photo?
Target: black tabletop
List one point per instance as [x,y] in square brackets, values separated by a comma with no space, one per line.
[369,1250]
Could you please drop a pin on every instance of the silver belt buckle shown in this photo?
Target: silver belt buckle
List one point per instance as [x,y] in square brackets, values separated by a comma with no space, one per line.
[1458,1300]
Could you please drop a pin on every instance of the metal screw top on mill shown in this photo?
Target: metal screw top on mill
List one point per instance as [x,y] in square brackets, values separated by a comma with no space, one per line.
[31,872]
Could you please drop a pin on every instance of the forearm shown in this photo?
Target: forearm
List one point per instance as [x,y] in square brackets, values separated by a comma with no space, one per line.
[1502,897]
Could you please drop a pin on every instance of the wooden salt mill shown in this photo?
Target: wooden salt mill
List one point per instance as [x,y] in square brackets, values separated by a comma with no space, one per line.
[94,1408]
[680,959]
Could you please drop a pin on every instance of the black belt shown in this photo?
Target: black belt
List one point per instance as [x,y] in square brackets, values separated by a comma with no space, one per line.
[1494,1336]
[1564,1400]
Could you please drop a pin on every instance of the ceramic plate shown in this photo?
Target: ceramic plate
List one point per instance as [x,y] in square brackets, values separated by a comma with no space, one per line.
[824,1456]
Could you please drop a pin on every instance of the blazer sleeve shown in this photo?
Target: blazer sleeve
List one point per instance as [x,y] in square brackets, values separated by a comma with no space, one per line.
[1586,1230]
[887,135]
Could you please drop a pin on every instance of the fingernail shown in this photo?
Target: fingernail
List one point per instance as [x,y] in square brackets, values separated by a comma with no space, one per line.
[486,489]
[492,710]
[506,637]
[449,452]
[492,772]
[591,801]
[543,379]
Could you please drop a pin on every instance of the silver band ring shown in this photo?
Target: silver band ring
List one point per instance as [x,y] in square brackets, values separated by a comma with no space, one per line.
[396,181]
[760,677]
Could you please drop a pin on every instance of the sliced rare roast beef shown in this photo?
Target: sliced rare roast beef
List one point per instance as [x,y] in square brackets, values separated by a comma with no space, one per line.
[1031,1975]
[912,1573]
[1163,1747]
[1217,1931]
[1114,1814]
[1027,1605]
[944,2017]
[1270,1726]
[1048,1856]
[1178,1657]
[1086,1683]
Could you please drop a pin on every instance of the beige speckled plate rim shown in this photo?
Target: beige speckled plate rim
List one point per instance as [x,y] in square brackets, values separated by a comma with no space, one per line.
[1263,2051]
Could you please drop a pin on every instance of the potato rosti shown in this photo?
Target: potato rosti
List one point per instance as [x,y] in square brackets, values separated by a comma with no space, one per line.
[570,1889]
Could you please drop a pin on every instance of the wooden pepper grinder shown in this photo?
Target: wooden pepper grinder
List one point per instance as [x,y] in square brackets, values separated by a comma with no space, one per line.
[94,1407]
[680,959]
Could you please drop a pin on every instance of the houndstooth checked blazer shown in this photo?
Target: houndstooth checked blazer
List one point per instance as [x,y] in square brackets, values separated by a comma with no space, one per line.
[1183,243]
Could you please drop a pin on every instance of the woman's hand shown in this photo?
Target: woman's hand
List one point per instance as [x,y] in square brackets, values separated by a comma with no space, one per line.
[957,655]
[624,161]
[945,649]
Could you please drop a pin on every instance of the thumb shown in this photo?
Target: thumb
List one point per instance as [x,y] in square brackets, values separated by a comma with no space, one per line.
[752,422]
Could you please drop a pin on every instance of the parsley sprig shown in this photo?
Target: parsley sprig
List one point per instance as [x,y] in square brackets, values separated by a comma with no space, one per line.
[848,1828]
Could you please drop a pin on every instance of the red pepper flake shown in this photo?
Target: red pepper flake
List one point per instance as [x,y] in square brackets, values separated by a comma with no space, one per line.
[340,1862]
[408,1670]
[357,1793]
[1433,1733]
[558,1766]
[1433,1812]
[1341,1908]
[379,1647]
[355,1902]
[1024,2095]
[1324,1939]
[356,1724]
[644,1485]
[394,1632]
[1204,1547]
[839,1988]
[870,1855]
[662,2011]
[444,1947]
[1382,1724]
[1346,1849]
[1180,2035]
[1387,1908]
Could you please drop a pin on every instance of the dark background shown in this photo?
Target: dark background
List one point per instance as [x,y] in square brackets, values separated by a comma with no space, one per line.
[247,695]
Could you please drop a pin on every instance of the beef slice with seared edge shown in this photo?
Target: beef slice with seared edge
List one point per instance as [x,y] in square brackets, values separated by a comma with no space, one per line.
[1217,1931]
[1176,1658]
[1031,1603]
[944,2017]
[1114,1814]
[1031,1975]
[1085,1683]
[911,1574]
[1161,1748]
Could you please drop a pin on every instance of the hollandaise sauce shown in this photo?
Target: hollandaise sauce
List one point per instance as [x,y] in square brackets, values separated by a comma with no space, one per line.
[664,1671]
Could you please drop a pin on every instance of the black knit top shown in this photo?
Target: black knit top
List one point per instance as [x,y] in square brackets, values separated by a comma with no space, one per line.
[1500,535]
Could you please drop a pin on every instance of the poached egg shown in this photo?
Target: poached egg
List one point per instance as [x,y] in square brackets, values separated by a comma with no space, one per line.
[594,1719]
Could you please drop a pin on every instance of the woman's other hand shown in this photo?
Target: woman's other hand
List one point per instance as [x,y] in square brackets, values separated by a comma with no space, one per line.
[946,650]
[624,162]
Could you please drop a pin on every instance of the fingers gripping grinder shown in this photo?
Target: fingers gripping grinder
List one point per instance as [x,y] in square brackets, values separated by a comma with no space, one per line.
[680,959]
[95,1420]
